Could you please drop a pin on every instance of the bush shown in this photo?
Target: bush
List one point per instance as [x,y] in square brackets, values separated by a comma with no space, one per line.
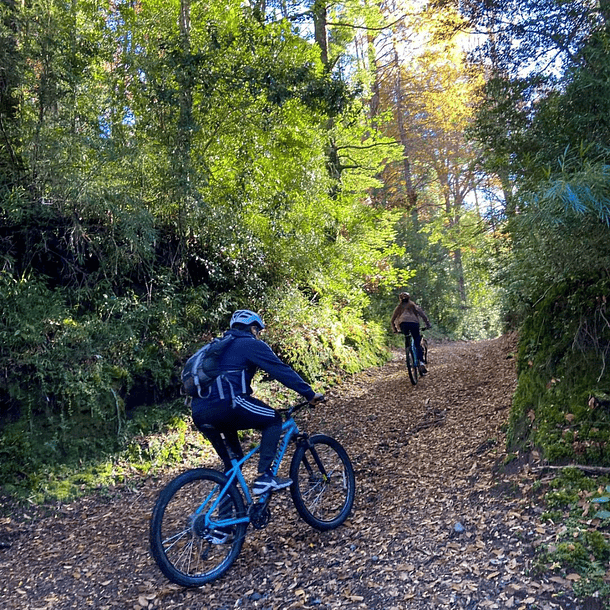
[83,368]
[322,340]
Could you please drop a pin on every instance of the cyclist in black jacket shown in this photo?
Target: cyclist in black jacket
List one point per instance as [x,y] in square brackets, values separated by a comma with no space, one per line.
[229,405]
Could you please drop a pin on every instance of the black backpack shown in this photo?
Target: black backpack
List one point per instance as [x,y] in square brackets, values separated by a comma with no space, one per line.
[201,369]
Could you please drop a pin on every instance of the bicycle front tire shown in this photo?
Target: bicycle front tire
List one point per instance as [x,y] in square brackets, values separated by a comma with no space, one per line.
[413,372]
[180,544]
[424,349]
[323,482]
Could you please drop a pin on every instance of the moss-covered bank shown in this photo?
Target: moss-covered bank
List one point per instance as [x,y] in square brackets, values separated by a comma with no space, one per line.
[562,403]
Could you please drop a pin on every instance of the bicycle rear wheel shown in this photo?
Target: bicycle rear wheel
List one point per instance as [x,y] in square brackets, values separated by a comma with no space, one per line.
[413,372]
[186,551]
[323,482]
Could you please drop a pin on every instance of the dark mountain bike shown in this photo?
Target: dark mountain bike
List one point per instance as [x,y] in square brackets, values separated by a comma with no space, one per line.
[413,361]
[200,519]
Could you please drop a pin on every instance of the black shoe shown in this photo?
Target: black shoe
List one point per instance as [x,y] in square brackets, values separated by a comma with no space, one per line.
[267,482]
[423,370]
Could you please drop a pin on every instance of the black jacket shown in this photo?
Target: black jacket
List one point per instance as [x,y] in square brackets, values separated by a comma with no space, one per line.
[242,358]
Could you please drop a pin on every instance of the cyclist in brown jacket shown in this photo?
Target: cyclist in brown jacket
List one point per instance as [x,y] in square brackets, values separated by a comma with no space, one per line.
[405,319]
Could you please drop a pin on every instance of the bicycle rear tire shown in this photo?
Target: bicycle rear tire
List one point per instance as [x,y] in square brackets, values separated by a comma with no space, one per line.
[323,482]
[413,372]
[179,542]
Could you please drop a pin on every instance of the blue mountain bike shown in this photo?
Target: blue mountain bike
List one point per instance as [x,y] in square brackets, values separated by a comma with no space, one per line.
[200,519]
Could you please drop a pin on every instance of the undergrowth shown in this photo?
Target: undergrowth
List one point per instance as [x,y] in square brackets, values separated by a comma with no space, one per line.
[561,410]
[580,552]
[155,439]
[82,380]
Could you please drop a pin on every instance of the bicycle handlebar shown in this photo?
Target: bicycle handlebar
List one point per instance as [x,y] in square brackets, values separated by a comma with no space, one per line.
[291,410]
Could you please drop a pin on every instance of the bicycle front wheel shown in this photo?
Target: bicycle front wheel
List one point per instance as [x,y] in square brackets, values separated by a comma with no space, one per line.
[188,552]
[323,482]
[413,372]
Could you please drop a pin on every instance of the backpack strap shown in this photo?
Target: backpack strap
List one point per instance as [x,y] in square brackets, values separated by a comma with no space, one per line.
[219,381]
[219,384]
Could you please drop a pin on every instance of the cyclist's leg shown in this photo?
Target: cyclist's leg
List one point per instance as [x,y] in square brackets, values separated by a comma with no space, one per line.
[232,442]
[253,413]
[269,422]
[405,330]
[220,440]
[412,329]
[210,419]
[218,424]
[417,339]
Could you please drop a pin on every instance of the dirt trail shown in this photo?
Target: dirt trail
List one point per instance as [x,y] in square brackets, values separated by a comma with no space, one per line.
[433,526]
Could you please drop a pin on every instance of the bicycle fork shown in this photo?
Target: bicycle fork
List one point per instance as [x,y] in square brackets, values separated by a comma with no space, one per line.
[303,439]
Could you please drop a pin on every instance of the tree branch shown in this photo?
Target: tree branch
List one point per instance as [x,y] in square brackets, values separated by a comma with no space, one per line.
[375,145]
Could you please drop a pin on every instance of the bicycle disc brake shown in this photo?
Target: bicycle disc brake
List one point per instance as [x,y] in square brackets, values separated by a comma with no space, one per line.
[260,515]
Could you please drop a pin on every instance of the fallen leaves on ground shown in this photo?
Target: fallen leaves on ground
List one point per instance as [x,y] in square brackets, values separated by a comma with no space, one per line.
[434,524]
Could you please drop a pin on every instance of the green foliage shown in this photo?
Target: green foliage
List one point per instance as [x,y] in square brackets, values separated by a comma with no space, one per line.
[150,441]
[323,340]
[157,173]
[545,137]
[583,542]
[562,234]
[68,378]
[562,360]
[556,281]
[428,272]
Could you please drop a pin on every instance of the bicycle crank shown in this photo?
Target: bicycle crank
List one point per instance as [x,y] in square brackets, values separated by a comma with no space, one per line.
[260,515]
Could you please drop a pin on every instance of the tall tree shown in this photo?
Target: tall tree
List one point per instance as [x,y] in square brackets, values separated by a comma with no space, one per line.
[11,71]
[432,90]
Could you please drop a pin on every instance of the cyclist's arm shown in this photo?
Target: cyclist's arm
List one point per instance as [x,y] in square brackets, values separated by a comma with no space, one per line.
[423,316]
[263,357]
[394,316]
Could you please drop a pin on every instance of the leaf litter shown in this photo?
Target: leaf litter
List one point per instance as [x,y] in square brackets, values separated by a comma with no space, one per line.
[435,525]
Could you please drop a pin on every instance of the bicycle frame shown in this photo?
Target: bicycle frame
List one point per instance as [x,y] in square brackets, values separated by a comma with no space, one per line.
[202,516]
[289,431]
[414,350]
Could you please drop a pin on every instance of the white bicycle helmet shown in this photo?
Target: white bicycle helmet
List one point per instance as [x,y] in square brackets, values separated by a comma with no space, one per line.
[246,317]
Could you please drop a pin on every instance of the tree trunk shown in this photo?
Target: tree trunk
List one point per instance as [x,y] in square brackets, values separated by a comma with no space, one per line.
[10,77]
[182,155]
[411,195]
[321,29]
